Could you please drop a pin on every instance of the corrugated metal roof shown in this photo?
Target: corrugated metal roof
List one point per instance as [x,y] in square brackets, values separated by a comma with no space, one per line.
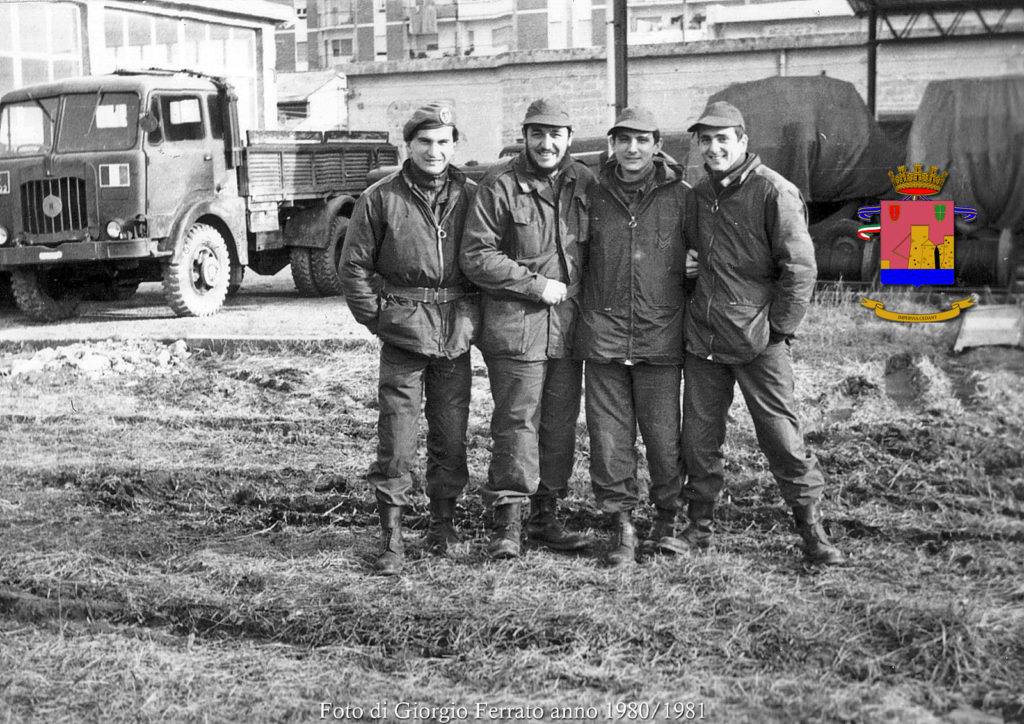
[892,7]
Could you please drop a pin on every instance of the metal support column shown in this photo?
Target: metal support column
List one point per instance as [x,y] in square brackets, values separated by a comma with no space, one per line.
[872,58]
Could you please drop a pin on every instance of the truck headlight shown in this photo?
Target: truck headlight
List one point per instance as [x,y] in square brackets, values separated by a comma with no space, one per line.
[3,236]
[114,228]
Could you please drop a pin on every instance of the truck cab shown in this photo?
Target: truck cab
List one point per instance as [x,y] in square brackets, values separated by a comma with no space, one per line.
[101,179]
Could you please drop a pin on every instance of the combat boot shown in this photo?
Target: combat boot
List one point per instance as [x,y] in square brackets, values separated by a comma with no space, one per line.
[663,538]
[508,528]
[441,531]
[544,529]
[623,550]
[701,517]
[392,549]
[816,546]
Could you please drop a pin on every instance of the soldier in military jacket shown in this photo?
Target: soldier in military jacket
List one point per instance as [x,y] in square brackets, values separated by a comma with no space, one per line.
[401,278]
[521,247]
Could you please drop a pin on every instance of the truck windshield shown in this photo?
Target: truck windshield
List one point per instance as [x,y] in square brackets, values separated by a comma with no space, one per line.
[27,128]
[98,122]
[87,122]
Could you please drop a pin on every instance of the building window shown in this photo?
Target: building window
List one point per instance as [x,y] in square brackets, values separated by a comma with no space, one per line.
[334,12]
[40,42]
[137,40]
[502,36]
[339,49]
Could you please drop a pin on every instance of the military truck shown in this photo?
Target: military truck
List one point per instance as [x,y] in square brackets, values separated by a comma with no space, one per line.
[108,181]
[973,128]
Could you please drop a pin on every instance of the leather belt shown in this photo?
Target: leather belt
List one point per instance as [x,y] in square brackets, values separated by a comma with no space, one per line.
[428,295]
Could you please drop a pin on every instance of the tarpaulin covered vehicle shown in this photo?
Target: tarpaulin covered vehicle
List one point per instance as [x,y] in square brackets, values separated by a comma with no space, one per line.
[818,133]
[974,129]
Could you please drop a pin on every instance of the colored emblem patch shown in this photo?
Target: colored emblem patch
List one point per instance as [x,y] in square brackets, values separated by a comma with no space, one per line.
[916,245]
[917,242]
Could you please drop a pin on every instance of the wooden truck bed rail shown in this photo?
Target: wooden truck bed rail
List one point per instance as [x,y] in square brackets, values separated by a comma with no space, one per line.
[281,165]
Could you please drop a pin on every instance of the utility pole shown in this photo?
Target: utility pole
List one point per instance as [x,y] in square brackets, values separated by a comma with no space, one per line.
[616,39]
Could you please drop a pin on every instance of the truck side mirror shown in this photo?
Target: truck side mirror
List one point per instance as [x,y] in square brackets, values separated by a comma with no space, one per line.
[148,122]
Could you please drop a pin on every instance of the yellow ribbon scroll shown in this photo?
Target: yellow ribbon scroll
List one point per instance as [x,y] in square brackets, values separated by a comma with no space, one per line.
[955,307]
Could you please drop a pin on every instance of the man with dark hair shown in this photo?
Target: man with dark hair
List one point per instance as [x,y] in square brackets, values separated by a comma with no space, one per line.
[756,274]
[521,247]
[631,330]
[405,230]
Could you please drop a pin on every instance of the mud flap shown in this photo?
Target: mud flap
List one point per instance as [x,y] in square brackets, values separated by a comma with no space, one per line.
[998,324]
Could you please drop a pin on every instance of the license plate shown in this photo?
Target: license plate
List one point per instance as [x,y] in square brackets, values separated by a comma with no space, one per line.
[50,255]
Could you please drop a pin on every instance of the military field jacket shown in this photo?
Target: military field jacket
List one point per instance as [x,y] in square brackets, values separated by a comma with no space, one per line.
[520,234]
[757,266]
[634,270]
[425,304]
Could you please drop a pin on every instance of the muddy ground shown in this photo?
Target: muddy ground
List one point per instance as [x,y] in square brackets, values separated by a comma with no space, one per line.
[186,534]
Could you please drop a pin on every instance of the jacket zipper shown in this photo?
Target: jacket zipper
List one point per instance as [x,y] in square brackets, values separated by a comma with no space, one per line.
[440,234]
[714,281]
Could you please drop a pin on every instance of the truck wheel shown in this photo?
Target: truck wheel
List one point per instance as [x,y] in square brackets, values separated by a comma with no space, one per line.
[196,283]
[302,271]
[324,262]
[235,276]
[45,295]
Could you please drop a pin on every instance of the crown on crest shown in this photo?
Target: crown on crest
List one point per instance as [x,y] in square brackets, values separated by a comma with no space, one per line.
[918,182]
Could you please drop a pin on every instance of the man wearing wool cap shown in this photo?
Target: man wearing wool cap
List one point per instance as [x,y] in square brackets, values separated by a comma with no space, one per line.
[631,330]
[521,247]
[405,229]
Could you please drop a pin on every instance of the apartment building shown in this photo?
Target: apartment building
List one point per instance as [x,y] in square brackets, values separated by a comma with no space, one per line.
[327,34]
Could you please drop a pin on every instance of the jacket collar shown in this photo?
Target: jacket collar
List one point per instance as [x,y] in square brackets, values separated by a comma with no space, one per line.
[735,177]
[527,179]
[664,172]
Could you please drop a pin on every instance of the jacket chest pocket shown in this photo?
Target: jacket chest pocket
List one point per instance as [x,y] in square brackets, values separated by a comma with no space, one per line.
[527,231]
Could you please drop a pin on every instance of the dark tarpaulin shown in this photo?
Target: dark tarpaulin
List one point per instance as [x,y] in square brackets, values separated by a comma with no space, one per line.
[974,128]
[814,130]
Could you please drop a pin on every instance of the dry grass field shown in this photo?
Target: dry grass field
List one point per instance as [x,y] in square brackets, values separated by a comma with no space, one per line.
[188,536]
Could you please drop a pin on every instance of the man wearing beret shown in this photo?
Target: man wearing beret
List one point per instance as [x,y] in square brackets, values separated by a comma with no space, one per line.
[521,247]
[405,230]
[756,274]
[631,330]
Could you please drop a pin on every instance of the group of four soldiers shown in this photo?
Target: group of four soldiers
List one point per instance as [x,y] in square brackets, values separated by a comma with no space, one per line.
[544,266]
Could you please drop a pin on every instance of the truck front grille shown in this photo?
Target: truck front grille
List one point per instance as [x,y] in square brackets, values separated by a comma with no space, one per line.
[54,205]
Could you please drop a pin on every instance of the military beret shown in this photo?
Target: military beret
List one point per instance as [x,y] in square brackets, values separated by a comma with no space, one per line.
[432,115]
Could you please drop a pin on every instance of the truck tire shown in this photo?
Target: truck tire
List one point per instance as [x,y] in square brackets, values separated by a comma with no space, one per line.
[324,262]
[235,277]
[45,295]
[302,271]
[196,283]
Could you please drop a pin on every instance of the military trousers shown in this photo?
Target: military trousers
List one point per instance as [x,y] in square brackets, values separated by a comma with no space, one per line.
[533,427]
[620,398]
[404,378]
[767,386]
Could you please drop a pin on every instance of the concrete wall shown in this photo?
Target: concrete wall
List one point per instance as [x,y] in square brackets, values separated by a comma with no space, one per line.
[490,94]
